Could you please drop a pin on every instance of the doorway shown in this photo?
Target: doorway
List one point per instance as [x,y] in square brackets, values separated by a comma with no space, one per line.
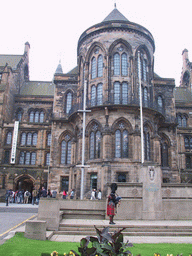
[24,183]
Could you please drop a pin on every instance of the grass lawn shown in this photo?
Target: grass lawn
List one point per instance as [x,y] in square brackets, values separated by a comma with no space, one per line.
[21,246]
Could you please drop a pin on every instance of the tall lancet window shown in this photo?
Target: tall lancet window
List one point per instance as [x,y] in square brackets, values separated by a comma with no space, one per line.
[66,150]
[68,102]
[95,143]
[124,65]
[121,142]
[93,68]
[100,66]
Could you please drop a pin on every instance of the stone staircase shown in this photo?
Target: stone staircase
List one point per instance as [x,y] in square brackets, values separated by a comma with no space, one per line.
[131,230]
[80,223]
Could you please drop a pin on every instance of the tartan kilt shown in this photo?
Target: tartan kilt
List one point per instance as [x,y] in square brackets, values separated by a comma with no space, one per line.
[110,209]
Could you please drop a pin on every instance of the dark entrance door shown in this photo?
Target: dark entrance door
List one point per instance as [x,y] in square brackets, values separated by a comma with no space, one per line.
[24,183]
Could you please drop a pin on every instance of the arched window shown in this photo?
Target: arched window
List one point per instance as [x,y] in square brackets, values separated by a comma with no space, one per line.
[179,120]
[49,139]
[31,116]
[100,66]
[34,142]
[66,150]
[121,144]
[23,139]
[145,97]
[95,144]
[36,116]
[147,148]
[116,64]
[19,116]
[142,67]
[93,95]
[99,94]
[29,139]
[160,103]
[68,102]
[124,93]
[9,138]
[164,155]
[124,65]
[92,145]
[93,68]
[41,117]
[125,144]
[184,121]
[117,93]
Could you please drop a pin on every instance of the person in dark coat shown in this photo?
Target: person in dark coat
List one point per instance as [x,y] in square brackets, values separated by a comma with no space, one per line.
[112,203]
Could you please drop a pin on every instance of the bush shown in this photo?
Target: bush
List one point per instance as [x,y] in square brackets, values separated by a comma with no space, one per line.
[105,244]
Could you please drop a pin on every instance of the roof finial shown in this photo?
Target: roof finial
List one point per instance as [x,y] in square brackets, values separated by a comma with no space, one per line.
[115,4]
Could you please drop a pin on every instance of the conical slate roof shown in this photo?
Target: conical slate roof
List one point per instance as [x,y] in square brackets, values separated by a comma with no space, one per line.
[115,15]
[59,69]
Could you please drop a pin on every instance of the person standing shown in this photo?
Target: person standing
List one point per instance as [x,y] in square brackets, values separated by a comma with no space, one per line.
[64,194]
[112,203]
[34,195]
[99,195]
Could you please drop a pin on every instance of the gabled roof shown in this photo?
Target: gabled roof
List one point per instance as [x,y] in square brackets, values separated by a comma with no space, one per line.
[37,88]
[115,15]
[11,60]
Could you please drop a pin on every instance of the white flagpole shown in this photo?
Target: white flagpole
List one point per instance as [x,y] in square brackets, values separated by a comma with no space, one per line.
[141,108]
[83,141]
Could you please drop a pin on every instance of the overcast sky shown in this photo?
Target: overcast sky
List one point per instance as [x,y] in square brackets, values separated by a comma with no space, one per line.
[53,28]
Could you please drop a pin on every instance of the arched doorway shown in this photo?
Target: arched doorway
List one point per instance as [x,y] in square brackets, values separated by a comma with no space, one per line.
[24,182]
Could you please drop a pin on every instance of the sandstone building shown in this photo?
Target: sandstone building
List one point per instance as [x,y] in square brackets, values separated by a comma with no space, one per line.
[48,149]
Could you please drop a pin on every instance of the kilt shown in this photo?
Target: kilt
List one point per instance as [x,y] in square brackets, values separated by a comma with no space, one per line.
[110,208]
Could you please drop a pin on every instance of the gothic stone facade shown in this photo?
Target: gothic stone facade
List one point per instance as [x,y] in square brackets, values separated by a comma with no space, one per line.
[110,57]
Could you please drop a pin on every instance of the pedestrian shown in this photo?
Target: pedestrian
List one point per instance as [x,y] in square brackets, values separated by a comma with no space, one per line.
[44,192]
[64,194]
[49,194]
[112,203]
[54,194]
[26,197]
[99,195]
[72,194]
[7,198]
[92,194]
[34,196]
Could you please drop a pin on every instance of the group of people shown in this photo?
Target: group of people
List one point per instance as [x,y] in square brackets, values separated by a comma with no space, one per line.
[67,194]
[95,194]
[26,197]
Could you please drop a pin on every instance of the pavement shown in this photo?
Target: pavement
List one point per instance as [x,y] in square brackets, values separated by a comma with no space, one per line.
[77,238]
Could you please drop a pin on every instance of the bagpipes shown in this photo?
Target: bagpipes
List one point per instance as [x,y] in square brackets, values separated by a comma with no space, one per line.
[113,190]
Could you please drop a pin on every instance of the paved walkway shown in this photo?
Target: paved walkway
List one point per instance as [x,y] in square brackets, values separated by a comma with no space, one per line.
[132,239]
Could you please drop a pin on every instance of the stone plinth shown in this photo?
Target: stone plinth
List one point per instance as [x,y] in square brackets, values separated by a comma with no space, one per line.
[35,229]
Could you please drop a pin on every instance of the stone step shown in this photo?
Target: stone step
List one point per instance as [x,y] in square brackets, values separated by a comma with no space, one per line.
[83,214]
[144,233]
[128,229]
[131,227]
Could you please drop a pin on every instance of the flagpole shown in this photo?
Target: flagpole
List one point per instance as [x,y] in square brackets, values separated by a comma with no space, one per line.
[141,108]
[83,141]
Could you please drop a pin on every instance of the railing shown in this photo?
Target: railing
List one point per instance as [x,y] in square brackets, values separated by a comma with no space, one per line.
[133,102]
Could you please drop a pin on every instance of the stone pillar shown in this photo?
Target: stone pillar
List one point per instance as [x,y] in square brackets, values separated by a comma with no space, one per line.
[152,194]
